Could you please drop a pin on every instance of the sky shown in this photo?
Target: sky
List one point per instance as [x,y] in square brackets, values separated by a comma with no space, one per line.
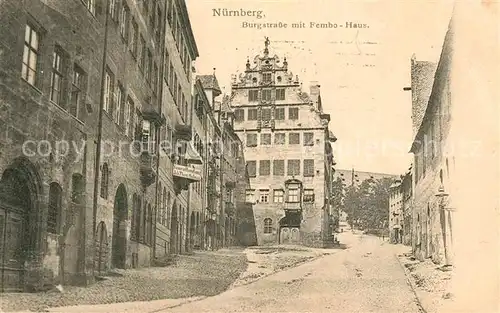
[362,71]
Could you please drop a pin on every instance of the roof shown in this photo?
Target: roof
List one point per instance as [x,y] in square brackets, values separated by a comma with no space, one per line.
[436,87]
[209,82]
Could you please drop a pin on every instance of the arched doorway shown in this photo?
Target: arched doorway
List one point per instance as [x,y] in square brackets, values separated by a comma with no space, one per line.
[119,239]
[101,253]
[290,228]
[174,228]
[19,190]
[192,230]
[226,231]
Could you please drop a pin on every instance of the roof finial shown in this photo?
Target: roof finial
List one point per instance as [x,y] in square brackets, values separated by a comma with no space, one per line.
[214,71]
[266,43]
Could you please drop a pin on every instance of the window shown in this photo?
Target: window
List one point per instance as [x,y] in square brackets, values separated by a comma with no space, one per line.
[266,114]
[252,114]
[148,136]
[30,55]
[308,139]
[112,9]
[294,138]
[117,110]
[108,90]
[266,77]
[268,226]
[129,114]
[264,195]
[308,195]
[264,167]
[253,95]
[265,139]
[54,210]
[252,168]
[142,60]
[278,167]
[279,114]
[250,196]
[56,77]
[148,66]
[104,181]
[124,21]
[239,115]
[280,94]
[154,82]
[279,138]
[266,94]
[293,193]
[91,6]
[251,140]
[278,196]
[293,113]
[76,91]
[293,167]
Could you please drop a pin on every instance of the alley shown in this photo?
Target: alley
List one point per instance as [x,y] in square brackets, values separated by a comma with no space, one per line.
[364,278]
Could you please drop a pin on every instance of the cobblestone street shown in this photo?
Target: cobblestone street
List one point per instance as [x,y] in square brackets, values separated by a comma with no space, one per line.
[365,277]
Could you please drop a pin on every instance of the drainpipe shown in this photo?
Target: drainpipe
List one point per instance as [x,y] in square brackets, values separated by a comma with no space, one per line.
[99,130]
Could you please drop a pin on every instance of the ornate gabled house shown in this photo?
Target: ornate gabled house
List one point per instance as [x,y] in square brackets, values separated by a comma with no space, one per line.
[287,150]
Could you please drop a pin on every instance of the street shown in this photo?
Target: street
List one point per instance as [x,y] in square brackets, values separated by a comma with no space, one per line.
[364,278]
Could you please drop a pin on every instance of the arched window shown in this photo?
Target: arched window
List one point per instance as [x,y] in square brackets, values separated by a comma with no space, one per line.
[104,181]
[138,225]
[77,189]
[160,204]
[167,213]
[163,209]
[150,225]
[268,228]
[133,233]
[54,211]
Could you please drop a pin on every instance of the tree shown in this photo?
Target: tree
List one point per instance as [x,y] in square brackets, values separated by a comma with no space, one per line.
[337,200]
[367,206]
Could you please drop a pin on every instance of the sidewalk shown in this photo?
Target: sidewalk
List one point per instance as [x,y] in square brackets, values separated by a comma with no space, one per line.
[429,282]
[198,275]
[192,278]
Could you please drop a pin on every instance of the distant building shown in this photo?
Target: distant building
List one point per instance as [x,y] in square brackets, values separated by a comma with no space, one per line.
[396,213]
[407,215]
[288,152]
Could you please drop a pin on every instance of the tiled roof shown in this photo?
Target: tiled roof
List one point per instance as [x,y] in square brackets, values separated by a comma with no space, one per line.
[209,82]
[422,79]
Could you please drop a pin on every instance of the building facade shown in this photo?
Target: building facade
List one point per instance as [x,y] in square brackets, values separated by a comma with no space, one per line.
[396,212]
[407,198]
[84,111]
[222,151]
[287,150]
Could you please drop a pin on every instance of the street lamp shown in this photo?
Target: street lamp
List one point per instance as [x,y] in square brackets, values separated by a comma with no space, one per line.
[445,215]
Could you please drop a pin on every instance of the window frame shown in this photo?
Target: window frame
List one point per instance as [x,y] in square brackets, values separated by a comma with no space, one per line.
[28,51]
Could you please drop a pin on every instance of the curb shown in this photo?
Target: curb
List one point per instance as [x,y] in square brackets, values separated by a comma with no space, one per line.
[412,285]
